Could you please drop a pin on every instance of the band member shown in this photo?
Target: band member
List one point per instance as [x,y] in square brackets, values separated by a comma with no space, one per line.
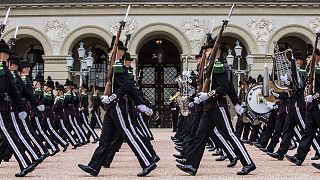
[116,120]
[10,97]
[174,109]
[296,108]
[312,120]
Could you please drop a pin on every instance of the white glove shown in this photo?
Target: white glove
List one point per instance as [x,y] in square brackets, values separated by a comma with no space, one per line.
[186,73]
[243,104]
[239,110]
[270,106]
[203,96]
[149,112]
[284,78]
[22,115]
[90,109]
[197,100]
[308,99]
[273,93]
[41,107]
[142,108]
[108,99]
[316,96]
[81,109]
[191,104]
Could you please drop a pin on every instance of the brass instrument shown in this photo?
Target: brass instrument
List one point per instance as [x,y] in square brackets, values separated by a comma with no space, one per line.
[281,66]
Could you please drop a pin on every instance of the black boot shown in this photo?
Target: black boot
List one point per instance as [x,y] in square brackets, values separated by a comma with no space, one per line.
[247,169]
[88,169]
[147,170]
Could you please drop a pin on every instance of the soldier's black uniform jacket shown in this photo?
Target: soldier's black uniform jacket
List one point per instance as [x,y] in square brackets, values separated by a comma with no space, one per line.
[123,87]
[316,102]
[232,94]
[76,103]
[68,104]
[284,101]
[298,86]
[58,107]
[97,103]
[9,94]
[48,99]
[25,92]
[38,93]
[84,101]
[220,84]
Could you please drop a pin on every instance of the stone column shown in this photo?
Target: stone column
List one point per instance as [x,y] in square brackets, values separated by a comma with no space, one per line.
[55,66]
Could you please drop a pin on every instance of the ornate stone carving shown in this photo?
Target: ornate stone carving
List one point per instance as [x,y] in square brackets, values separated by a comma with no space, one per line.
[130,28]
[56,31]
[261,29]
[195,30]
[314,25]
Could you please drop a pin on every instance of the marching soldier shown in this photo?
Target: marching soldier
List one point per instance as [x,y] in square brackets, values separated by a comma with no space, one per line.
[312,120]
[38,113]
[49,103]
[116,120]
[10,97]
[84,112]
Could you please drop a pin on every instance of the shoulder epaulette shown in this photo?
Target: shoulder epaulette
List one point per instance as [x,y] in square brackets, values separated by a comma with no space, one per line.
[118,67]
[37,91]
[218,67]
[317,70]
[2,73]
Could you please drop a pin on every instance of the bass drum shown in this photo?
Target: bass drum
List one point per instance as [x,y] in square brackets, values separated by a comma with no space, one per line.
[256,102]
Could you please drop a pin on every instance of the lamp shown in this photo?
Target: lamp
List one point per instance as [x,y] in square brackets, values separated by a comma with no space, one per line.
[70,60]
[238,49]
[230,58]
[89,60]
[81,51]
[249,59]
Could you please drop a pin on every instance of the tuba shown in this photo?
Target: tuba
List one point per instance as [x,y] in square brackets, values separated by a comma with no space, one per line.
[182,98]
[281,66]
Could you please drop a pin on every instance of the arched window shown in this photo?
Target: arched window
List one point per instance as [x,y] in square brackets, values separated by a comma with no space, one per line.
[34,56]
[98,68]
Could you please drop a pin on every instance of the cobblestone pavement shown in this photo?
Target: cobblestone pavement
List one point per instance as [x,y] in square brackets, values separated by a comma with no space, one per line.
[125,166]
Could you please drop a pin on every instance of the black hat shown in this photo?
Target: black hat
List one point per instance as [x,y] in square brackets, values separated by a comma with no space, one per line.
[121,46]
[24,63]
[4,47]
[39,77]
[49,82]
[127,57]
[310,52]
[59,86]
[68,83]
[297,54]
[15,60]
[259,78]
[210,43]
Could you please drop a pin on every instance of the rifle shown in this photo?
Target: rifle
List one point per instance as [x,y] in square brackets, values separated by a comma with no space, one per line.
[214,53]
[312,67]
[94,86]
[128,37]
[14,38]
[202,64]
[3,25]
[112,57]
